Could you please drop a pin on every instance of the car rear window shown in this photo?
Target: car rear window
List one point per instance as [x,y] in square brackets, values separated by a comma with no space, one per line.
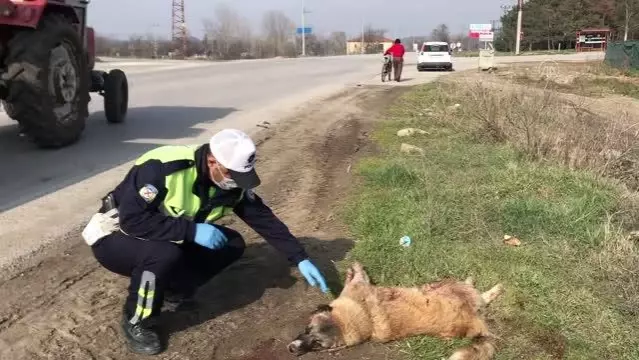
[435,48]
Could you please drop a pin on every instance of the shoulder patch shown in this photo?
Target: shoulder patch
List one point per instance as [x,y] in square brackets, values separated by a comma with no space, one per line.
[148,192]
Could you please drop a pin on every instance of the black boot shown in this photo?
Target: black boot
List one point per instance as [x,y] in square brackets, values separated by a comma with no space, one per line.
[141,339]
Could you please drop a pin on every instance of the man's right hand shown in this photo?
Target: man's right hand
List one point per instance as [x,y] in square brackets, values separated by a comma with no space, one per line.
[209,236]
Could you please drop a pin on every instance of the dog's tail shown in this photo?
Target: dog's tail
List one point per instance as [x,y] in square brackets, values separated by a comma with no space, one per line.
[482,348]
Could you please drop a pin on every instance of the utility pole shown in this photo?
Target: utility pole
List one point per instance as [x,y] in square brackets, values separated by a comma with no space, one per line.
[520,6]
[155,40]
[361,46]
[303,28]
[304,12]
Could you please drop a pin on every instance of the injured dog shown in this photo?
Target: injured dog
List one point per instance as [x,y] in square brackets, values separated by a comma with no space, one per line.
[446,309]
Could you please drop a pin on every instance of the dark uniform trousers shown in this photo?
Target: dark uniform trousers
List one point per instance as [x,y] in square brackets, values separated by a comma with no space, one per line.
[155,267]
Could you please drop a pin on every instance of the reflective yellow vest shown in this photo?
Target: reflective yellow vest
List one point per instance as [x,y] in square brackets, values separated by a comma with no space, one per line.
[180,201]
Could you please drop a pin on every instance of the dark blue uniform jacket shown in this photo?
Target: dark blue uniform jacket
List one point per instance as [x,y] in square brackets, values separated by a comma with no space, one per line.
[145,220]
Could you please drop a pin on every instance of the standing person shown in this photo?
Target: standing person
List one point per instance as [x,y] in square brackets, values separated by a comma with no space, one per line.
[397,50]
[157,227]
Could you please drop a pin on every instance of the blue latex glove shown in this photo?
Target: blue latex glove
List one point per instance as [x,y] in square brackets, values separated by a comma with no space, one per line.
[312,275]
[209,236]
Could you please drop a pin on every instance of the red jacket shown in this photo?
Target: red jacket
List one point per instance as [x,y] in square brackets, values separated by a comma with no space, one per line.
[397,50]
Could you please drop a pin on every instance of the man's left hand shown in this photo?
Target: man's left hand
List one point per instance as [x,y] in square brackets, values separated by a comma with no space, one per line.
[312,275]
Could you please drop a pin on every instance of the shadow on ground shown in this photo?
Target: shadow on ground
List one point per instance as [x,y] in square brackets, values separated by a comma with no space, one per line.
[262,267]
[101,147]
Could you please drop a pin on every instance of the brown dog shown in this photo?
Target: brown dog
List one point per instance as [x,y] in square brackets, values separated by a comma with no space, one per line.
[363,312]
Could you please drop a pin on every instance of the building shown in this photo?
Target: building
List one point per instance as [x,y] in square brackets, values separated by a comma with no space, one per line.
[373,44]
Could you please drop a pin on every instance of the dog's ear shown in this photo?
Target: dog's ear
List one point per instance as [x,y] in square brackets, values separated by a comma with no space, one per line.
[323,308]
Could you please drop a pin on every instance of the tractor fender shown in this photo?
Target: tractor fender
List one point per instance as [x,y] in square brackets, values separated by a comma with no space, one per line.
[29,13]
[89,46]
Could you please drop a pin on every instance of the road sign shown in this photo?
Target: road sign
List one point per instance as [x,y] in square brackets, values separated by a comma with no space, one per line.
[480,27]
[486,36]
[306,30]
[481,35]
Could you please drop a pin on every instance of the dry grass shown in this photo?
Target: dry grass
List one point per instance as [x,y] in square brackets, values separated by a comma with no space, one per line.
[618,261]
[548,127]
[593,79]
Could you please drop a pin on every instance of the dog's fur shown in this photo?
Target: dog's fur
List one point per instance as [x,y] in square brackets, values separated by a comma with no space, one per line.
[446,309]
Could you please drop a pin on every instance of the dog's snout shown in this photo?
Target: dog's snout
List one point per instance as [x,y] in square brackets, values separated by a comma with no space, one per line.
[295,346]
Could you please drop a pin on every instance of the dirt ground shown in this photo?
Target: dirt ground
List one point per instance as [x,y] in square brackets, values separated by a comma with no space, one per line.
[68,307]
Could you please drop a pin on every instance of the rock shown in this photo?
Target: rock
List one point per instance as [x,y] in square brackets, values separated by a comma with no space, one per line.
[411,149]
[410,132]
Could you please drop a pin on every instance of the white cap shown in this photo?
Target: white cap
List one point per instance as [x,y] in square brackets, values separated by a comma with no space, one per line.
[236,152]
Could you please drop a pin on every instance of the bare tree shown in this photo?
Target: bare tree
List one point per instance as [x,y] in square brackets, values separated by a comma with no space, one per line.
[228,33]
[373,39]
[441,33]
[109,47]
[278,31]
[336,44]
[629,10]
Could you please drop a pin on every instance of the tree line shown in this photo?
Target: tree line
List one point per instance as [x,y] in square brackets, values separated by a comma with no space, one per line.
[548,24]
[229,36]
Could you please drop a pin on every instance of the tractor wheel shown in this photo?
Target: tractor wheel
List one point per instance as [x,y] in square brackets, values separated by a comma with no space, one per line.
[50,97]
[116,96]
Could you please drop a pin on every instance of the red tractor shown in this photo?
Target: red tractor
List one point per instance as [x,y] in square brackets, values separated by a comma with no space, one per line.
[47,59]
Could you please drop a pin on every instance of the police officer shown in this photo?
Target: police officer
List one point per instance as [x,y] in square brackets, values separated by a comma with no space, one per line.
[164,237]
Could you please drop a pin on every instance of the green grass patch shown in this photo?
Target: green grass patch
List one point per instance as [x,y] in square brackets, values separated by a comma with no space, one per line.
[457,202]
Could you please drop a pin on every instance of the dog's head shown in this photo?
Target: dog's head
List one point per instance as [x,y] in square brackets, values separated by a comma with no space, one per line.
[322,333]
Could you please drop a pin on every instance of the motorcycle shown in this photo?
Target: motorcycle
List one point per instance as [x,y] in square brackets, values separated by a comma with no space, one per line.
[387,67]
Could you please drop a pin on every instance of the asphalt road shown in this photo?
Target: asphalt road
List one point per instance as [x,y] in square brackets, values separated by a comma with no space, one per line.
[167,103]
[170,102]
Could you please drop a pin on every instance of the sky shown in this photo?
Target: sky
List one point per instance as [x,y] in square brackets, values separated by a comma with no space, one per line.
[402,18]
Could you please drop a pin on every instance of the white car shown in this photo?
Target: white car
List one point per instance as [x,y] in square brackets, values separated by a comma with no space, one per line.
[435,55]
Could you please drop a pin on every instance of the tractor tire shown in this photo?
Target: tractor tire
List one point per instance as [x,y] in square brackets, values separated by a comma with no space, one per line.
[116,96]
[50,97]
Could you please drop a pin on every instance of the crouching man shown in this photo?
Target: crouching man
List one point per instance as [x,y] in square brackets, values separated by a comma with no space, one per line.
[157,227]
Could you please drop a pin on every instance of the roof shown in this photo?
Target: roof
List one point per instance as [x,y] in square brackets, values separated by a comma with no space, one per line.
[595,30]
[371,39]
[435,43]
